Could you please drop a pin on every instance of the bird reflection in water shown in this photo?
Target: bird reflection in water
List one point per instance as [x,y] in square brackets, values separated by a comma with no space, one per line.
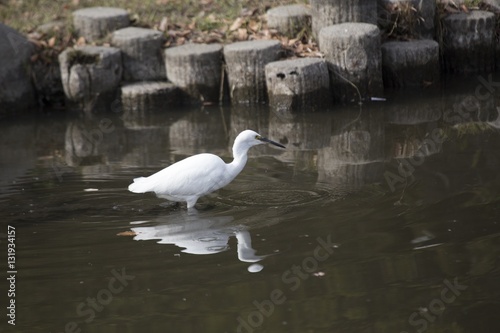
[200,235]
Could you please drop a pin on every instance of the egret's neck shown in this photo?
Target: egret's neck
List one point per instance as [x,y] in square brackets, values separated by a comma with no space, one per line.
[240,159]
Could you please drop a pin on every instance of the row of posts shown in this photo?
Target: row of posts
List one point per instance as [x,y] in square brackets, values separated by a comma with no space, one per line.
[355,64]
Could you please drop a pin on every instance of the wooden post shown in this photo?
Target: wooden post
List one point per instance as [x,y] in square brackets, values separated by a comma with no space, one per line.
[96,22]
[141,53]
[468,42]
[245,66]
[413,63]
[328,12]
[352,52]
[289,20]
[91,76]
[298,84]
[196,69]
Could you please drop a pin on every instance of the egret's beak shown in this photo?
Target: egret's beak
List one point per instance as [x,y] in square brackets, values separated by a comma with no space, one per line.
[261,138]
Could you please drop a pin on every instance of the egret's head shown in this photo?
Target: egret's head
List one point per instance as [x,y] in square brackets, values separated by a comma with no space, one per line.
[250,138]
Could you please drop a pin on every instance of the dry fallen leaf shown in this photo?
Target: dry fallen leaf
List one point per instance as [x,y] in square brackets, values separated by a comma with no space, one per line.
[181,40]
[236,24]
[163,24]
[81,41]
[52,41]
[253,25]
[242,34]
[126,233]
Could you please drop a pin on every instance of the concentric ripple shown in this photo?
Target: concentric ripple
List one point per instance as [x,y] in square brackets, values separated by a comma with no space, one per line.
[278,195]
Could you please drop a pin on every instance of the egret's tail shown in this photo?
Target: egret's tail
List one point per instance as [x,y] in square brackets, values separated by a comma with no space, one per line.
[140,185]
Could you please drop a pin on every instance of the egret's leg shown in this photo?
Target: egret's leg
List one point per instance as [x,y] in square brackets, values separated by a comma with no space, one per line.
[191,202]
[192,211]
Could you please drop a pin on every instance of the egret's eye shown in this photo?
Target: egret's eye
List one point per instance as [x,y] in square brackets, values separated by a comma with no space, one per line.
[258,137]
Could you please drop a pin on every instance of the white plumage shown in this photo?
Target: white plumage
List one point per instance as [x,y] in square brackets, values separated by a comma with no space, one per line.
[199,175]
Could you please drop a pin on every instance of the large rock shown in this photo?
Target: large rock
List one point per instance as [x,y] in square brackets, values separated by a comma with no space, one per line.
[16,89]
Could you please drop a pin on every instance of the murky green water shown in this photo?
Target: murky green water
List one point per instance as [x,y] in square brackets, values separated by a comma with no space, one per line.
[376,219]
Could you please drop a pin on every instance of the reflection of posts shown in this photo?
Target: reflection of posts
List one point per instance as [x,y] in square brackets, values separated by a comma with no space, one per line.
[299,131]
[356,151]
[84,140]
[196,131]
[407,166]
[471,107]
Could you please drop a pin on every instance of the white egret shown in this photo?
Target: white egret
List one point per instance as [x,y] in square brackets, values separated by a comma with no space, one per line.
[201,174]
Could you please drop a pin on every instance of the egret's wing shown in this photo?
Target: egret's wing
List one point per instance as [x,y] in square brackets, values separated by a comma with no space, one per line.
[199,174]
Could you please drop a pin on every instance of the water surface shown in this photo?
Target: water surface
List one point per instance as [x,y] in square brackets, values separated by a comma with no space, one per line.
[380,218]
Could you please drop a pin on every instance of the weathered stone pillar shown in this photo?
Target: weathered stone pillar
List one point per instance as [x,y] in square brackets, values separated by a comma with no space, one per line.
[352,52]
[289,20]
[468,42]
[197,70]
[412,63]
[298,84]
[245,67]
[141,53]
[96,22]
[139,97]
[328,12]
[91,76]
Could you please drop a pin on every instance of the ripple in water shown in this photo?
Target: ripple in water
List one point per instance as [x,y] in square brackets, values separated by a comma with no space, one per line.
[277,195]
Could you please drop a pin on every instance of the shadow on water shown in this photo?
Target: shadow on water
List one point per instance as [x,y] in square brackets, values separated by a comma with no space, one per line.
[376,218]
